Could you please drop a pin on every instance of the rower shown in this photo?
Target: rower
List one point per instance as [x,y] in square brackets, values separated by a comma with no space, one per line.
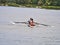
[31,22]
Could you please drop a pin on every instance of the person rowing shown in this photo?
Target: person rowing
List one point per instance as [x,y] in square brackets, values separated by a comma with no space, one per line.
[31,22]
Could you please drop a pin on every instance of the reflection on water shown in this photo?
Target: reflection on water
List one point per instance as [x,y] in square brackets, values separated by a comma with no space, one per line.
[22,34]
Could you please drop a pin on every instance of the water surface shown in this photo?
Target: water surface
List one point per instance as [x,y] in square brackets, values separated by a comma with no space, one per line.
[24,35]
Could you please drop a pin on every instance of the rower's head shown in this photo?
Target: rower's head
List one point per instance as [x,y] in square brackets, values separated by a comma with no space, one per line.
[31,19]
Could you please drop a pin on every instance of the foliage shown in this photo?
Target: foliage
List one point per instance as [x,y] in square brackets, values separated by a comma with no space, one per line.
[37,2]
[51,7]
[13,4]
[31,3]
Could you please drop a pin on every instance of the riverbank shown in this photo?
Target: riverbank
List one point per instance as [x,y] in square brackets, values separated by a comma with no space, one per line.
[31,6]
[51,7]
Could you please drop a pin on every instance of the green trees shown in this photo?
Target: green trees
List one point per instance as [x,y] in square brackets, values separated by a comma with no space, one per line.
[56,2]
[3,2]
[49,2]
[37,2]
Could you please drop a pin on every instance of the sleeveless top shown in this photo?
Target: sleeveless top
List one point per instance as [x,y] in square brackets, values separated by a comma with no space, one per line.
[31,23]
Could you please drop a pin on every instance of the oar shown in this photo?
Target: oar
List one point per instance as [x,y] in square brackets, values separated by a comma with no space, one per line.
[41,24]
[21,22]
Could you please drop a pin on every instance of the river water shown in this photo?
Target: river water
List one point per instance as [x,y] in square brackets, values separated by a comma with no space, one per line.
[22,34]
